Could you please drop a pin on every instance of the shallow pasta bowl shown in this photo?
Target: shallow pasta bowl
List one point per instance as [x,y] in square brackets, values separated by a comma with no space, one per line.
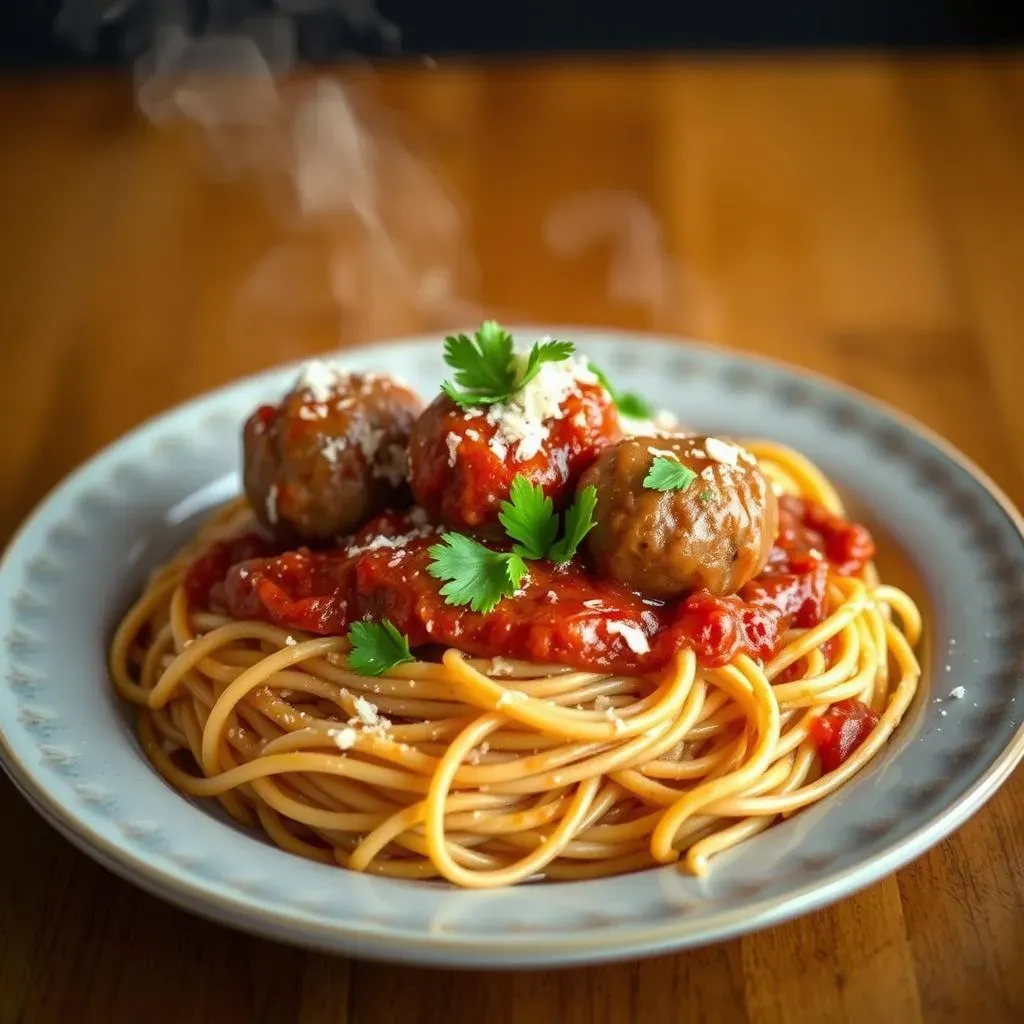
[69,746]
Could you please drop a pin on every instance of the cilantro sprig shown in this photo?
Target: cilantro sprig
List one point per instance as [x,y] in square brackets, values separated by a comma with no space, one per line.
[668,474]
[486,367]
[579,521]
[628,403]
[474,574]
[529,518]
[377,647]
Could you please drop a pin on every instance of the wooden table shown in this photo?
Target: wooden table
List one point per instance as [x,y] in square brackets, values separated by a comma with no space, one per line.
[861,217]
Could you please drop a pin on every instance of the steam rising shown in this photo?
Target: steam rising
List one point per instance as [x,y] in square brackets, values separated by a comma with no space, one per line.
[369,228]
[641,271]
[373,244]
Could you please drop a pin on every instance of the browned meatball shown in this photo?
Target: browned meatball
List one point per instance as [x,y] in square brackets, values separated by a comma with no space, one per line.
[715,533]
[332,454]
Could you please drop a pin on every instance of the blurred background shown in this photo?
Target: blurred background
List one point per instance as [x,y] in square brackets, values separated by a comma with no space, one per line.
[97,31]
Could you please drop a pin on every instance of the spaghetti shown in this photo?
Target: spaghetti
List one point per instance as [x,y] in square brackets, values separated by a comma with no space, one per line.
[491,771]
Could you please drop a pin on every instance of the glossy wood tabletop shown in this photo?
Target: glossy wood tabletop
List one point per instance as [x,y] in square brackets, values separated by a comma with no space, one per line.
[864,218]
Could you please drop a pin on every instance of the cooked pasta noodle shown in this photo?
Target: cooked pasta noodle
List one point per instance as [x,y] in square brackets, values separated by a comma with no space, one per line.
[492,772]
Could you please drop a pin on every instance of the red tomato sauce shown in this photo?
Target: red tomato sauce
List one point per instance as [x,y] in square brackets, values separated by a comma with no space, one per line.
[560,615]
[841,730]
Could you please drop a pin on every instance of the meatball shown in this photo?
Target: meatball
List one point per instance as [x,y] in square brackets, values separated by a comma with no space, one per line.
[462,461]
[332,454]
[716,533]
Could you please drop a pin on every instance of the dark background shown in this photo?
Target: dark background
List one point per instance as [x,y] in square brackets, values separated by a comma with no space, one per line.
[112,32]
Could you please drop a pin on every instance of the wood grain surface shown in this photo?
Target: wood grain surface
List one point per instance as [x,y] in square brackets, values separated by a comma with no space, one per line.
[862,217]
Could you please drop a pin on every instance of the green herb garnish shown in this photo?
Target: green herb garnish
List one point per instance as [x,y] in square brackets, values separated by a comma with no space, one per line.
[377,647]
[667,474]
[473,574]
[529,518]
[485,365]
[579,521]
[628,403]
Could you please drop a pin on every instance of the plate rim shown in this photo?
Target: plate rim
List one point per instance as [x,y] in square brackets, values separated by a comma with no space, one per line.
[491,952]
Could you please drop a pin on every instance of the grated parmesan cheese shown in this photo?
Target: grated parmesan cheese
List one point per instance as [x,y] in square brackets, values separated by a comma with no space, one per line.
[452,441]
[366,711]
[501,667]
[344,739]
[382,542]
[726,453]
[957,693]
[634,636]
[722,451]
[522,422]
[331,448]
[369,440]
[320,379]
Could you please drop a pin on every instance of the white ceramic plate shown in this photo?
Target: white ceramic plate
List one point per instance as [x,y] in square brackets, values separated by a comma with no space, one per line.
[69,746]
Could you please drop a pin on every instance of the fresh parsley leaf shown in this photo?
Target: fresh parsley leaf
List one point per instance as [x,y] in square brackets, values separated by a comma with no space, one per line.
[628,403]
[579,521]
[633,406]
[377,647]
[544,352]
[473,574]
[485,368]
[668,474]
[483,365]
[529,518]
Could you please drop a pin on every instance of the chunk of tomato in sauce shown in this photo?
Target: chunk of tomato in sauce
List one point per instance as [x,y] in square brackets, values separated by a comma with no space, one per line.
[300,589]
[797,595]
[719,628]
[208,570]
[841,730]
[806,526]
